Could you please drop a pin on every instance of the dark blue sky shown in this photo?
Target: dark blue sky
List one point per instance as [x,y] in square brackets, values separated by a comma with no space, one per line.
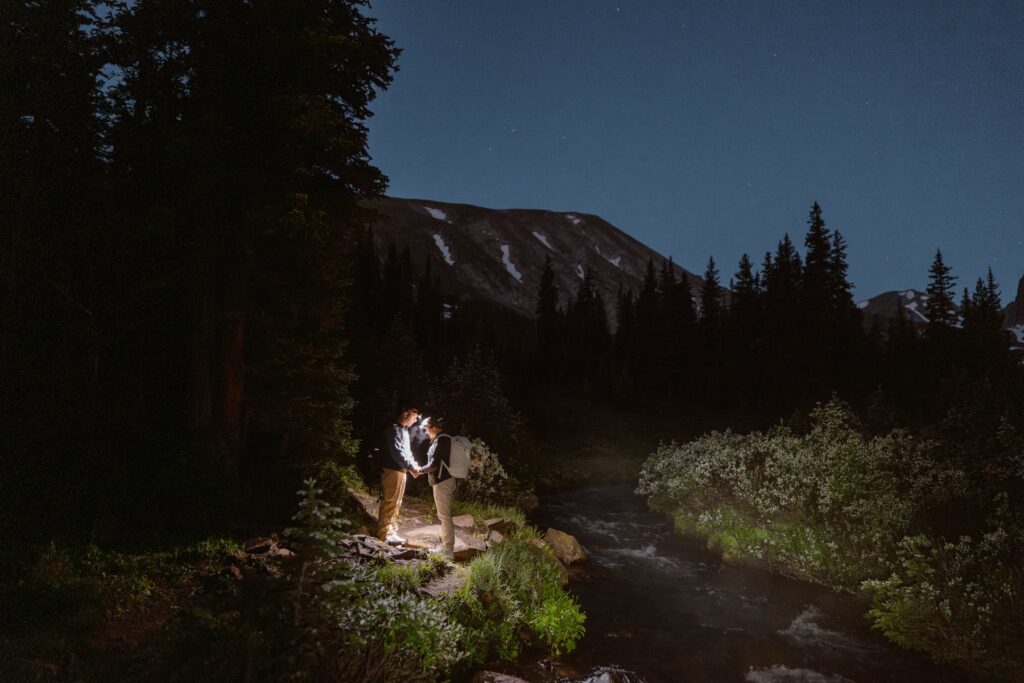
[709,128]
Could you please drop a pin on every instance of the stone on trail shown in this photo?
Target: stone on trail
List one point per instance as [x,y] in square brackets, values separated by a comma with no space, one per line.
[429,536]
[469,546]
[448,584]
[566,547]
[464,521]
[498,524]
[494,537]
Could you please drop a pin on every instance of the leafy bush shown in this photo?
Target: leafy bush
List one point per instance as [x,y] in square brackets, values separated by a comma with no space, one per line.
[512,597]
[855,512]
[829,506]
[488,482]
[959,601]
[559,623]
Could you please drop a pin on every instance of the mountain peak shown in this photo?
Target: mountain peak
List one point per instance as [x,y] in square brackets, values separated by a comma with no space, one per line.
[498,255]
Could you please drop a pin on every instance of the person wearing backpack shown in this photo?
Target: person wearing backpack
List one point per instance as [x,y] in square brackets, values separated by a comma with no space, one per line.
[443,478]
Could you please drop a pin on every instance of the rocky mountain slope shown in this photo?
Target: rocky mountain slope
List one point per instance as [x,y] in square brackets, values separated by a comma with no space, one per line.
[915,308]
[498,255]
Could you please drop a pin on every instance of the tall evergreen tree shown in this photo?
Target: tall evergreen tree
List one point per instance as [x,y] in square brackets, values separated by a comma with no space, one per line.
[711,299]
[941,312]
[548,323]
[840,288]
[255,113]
[783,335]
[59,271]
[587,332]
[646,330]
[816,294]
[744,322]
[711,315]
[624,343]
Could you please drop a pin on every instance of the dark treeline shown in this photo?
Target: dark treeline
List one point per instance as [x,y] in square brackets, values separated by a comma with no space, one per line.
[180,203]
[780,338]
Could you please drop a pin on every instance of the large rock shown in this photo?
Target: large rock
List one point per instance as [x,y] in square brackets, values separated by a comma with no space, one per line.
[528,503]
[501,524]
[466,546]
[567,549]
[464,521]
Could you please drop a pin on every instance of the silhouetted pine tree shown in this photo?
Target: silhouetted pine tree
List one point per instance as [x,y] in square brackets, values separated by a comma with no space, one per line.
[784,376]
[684,335]
[63,303]
[623,344]
[549,322]
[645,349]
[711,330]
[744,319]
[587,333]
[817,284]
[941,312]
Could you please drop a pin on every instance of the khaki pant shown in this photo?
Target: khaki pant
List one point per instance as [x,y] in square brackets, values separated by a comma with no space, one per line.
[392,486]
[444,493]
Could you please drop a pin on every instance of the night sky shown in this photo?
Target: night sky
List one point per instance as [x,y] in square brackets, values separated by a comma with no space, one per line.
[708,128]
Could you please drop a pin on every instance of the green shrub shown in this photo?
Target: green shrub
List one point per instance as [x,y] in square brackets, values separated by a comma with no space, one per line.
[488,482]
[512,597]
[559,623]
[960,602]
[829,505]
[833,505]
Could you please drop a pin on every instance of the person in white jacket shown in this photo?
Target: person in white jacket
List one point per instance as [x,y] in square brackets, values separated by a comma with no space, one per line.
[441,481]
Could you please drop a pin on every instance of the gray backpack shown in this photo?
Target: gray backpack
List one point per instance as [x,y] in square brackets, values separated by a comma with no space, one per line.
[458,462]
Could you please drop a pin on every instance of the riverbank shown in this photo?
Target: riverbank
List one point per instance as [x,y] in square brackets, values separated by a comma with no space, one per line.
[662,608]
[931,545]
[583,442]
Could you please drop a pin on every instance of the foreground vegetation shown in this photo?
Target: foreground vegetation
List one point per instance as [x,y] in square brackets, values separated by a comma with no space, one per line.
[314,611]
[933,534]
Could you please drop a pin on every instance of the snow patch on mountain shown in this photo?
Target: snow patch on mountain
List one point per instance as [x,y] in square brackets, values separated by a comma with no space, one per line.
[863,304]
[912,307]
[443,248]
[908,295]
[580,272]
[1018,332]
[506,258]
[573,218]
[614,261]
[437,213]
[543,240]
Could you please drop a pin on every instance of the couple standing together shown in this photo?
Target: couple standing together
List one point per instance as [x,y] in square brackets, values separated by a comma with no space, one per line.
[398,461]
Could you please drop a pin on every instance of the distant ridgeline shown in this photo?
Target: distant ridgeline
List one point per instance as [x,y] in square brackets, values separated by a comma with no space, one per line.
[498,256]
[913,306]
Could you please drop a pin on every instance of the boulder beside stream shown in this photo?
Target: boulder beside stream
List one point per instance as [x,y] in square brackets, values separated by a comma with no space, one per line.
[567,549]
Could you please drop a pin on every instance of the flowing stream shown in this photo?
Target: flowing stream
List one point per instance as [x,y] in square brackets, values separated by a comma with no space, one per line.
[663,608]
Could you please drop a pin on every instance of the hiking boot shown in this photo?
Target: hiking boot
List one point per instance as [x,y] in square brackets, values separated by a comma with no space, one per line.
[394,539]
[441,550]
